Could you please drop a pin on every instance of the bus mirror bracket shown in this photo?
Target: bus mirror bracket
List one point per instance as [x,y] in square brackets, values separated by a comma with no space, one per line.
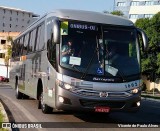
[56,32]
[144,39]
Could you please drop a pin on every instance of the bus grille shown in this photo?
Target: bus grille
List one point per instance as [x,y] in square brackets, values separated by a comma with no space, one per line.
[95,94]
[94,103]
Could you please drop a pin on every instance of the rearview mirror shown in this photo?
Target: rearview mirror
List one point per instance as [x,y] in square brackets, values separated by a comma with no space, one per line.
[144,39]
[56,32]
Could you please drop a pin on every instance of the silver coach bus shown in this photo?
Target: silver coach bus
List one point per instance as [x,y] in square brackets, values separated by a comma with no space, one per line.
[80,61]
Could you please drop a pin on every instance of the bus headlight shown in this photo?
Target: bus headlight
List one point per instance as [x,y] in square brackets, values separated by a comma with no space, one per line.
[64,85]
[134,91]
[67,87]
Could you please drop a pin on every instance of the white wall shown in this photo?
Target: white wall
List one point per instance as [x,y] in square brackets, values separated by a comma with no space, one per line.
[3,71]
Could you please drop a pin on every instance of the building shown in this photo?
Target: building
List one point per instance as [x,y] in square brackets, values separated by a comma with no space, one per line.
[4,45]
[12,22]
[136,9]
[15,20]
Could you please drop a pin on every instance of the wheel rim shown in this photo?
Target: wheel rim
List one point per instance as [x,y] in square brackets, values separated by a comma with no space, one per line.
[17,90]
[42,102]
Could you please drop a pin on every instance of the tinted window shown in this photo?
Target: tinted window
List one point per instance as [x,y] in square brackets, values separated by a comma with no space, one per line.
[51,47]
[38,37]
[18,47]
[26,38]
[13,49]
[21,45]
[41,40]
[32,40]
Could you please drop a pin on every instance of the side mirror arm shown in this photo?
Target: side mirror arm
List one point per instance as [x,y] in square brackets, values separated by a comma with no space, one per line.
[144,39]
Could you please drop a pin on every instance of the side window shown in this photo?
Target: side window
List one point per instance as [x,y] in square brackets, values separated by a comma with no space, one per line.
[18,47]
[13,49]
[26,38]
[51,47]
[29,42]
[32,40]
[41,41]
[21,45]
[38,37]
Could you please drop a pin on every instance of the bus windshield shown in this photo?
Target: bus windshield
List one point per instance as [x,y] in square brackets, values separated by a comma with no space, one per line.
[98,50]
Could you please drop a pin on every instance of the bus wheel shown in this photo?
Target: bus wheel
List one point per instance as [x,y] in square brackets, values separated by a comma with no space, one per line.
[25,96]
[39,102]
[45,108]
[19,95]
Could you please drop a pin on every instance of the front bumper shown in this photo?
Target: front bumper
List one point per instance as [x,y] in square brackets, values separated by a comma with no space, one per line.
[77,102]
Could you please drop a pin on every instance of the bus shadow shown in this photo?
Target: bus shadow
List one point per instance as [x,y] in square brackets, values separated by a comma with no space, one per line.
[58,112]
[95,117]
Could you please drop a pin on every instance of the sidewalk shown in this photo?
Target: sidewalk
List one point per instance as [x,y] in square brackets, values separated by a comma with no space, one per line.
[154,94]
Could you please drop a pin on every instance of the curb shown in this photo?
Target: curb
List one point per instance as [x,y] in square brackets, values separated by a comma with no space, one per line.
[5,119]
[3,113]
[151,99]
[8,115]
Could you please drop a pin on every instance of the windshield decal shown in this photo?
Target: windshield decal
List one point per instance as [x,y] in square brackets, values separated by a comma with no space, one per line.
[75,60]
[100,71]
[64,28]
[111,70]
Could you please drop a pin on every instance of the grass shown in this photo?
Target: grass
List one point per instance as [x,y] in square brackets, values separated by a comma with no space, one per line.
[1,120]
[1,116]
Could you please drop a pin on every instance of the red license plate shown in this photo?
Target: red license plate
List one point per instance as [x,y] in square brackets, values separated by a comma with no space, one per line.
[102,109]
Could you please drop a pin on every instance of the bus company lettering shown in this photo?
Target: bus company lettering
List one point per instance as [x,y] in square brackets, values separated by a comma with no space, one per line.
[102,79]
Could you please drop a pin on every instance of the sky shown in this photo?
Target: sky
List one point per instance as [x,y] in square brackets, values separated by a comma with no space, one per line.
[41,7]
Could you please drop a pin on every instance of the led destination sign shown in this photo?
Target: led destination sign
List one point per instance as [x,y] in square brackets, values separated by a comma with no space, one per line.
[83,27]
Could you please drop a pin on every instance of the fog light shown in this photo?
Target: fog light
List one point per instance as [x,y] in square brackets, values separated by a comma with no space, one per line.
[138,103]
[61,99]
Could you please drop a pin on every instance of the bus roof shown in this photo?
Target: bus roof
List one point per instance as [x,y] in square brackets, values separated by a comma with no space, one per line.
[80,15]
[89,16]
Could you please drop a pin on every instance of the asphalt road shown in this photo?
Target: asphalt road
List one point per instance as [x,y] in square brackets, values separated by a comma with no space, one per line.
[27,111]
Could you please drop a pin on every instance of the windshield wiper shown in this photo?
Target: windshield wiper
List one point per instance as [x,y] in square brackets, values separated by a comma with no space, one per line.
[91,60]
[89,64]
[122,76]
[120,73]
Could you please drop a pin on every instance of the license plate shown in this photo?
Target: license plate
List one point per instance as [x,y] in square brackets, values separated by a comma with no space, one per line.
[102,109]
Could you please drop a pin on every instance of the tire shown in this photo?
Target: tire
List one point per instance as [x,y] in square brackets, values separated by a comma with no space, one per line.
[45,108]
[19,95]
[39,102]
[25,96]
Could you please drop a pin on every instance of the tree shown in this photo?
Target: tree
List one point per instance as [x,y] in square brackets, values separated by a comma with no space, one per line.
[9,52]
[10,39]
[151,59]
[116,12]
